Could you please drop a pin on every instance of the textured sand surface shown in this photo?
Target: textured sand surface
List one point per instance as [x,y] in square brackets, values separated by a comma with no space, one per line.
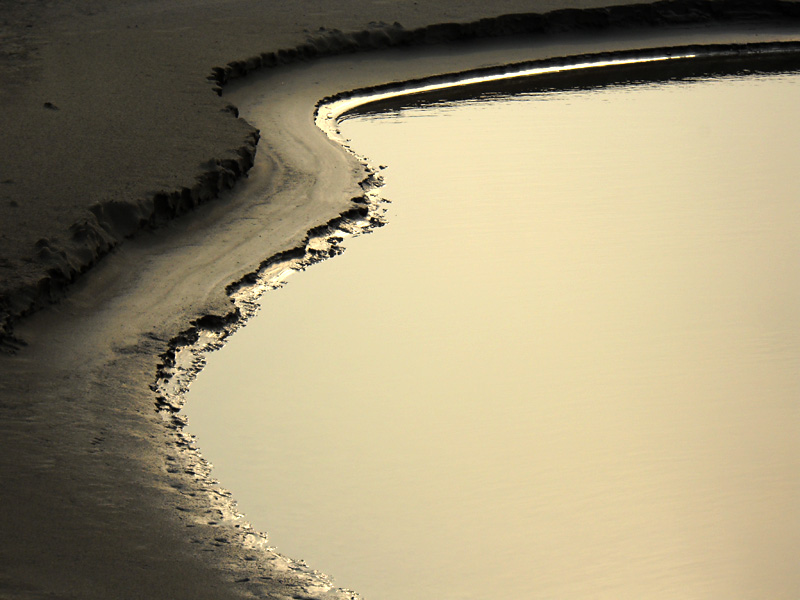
[110,127]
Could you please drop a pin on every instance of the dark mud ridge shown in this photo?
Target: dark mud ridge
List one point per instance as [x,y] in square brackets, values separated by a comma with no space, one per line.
[107,224]
[630,67]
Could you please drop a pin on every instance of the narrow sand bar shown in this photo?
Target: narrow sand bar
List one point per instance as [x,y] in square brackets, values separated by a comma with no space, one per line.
[100,496]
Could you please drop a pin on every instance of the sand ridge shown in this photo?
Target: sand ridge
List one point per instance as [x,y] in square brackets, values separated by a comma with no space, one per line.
[100,499]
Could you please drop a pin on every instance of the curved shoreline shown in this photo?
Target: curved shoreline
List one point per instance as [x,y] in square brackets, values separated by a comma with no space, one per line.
[186,354]
[63,257]
[655,63]
[128,511]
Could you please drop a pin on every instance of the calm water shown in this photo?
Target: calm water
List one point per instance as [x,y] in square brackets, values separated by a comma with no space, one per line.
[568,368]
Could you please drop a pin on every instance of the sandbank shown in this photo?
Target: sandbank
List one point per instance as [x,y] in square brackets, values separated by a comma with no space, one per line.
[116,144]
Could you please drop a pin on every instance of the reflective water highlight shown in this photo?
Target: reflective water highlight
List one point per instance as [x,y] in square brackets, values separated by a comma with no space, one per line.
[568,368]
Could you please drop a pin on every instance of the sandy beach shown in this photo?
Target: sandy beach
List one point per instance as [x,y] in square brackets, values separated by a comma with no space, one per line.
[154,154]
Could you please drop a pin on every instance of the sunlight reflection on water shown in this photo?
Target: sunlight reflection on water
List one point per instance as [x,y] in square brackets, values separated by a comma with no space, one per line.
[567,368]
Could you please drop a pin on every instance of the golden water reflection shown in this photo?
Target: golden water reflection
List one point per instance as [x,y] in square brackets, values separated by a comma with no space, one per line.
[568,368]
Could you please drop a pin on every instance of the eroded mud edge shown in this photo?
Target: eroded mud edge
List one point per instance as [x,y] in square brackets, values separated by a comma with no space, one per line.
[577,70]
[107,224]
[185,357]
[186,353]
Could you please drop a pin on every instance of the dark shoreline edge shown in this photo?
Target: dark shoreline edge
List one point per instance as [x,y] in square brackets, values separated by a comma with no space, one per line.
[184,358]
[108,224]
[185,354]
[692,60]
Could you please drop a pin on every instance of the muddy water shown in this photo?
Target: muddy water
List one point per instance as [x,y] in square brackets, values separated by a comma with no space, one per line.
[568,368]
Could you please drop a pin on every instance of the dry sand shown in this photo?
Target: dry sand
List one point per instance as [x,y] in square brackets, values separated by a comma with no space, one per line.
[110,128]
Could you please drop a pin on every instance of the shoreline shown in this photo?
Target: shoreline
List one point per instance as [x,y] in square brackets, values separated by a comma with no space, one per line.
[574,71]
[185,357]
[62,257]
[87,430]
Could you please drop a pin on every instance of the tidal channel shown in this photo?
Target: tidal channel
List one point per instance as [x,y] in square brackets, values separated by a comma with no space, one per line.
[568,367]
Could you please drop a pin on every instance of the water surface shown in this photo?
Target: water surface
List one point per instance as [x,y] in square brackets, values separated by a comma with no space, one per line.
[569,367]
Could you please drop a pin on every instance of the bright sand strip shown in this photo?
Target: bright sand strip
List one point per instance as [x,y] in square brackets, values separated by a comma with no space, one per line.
[99,498]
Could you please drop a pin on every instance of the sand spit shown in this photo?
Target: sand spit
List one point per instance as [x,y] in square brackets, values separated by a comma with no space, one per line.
[103,496]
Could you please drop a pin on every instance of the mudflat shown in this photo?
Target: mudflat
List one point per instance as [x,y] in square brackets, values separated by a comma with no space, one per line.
[125,214]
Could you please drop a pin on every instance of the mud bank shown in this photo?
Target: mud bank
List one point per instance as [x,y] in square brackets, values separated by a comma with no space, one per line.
[572,72]
[37,276]
[104,495]
[106,224]
[659,14]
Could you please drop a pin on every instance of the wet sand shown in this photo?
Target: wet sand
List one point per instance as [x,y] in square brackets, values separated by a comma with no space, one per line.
[109,123]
